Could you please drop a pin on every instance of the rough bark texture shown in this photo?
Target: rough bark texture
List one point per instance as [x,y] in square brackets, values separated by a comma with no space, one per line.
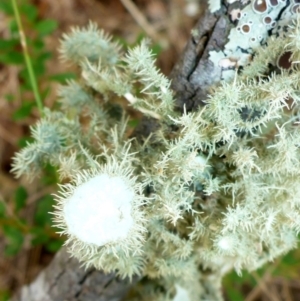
[64,279]
[195,73]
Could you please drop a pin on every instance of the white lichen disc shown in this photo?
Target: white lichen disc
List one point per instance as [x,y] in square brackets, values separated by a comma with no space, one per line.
[99,210]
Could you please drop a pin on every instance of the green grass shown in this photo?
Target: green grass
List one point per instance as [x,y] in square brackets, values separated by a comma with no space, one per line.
[25,48]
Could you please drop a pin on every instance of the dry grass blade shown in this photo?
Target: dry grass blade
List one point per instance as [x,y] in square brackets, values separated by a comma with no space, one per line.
[141,20]
[262,284]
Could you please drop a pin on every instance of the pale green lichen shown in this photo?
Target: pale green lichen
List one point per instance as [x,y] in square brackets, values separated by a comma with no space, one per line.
[214,5]
[254,24]
[213,190]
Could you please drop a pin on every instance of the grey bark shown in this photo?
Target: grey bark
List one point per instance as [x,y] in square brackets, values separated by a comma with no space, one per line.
[64,279]
[194,74]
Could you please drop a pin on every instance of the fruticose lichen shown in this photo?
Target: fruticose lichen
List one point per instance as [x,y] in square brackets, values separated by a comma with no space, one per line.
[208,191]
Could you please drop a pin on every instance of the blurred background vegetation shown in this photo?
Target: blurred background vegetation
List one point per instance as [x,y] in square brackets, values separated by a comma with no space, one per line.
[27,239]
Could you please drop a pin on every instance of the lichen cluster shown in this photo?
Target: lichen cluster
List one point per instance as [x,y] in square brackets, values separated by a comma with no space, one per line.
[207,191]
[254,22]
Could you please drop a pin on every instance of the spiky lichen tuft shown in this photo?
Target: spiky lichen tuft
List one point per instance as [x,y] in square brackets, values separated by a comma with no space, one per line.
[90,44]
[100,213]
[207,192]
